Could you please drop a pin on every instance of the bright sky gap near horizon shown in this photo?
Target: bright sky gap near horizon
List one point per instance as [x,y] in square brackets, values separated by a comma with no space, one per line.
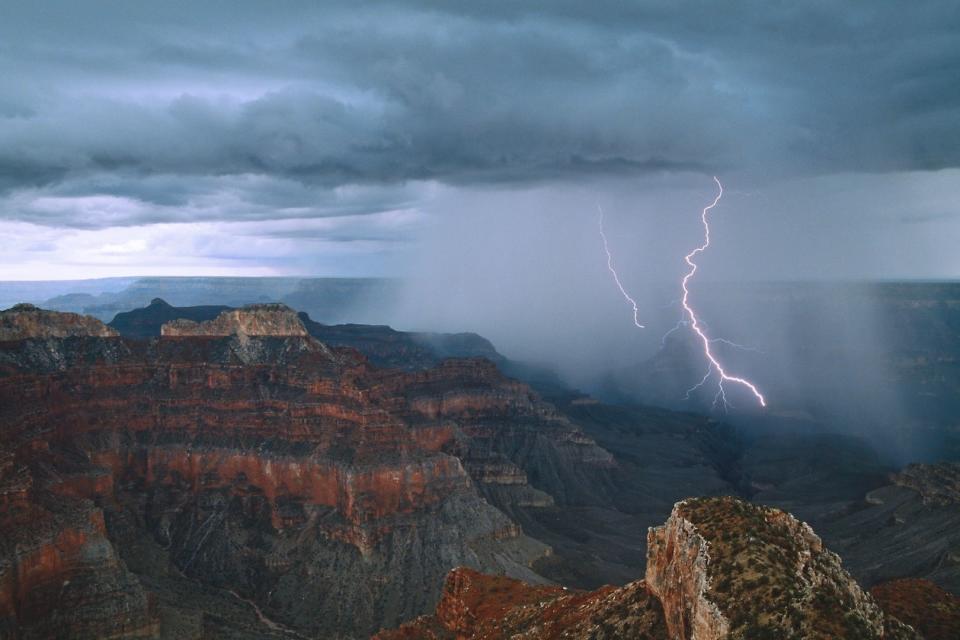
[329,139]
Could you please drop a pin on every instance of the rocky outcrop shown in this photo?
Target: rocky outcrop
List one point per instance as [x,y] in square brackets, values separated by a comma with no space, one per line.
[252,320]
[24,321]
[475,606]
[723,568]
[718,569]
[678,572]
[387,347]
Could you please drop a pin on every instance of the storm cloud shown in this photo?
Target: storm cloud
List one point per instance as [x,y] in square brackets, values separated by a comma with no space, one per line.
[116,114]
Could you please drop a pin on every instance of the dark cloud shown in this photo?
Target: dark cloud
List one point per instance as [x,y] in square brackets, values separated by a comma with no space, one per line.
[240,138]
[465,92]
[124,198]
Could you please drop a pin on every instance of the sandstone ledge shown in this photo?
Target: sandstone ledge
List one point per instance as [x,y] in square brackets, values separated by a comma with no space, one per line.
[252,320]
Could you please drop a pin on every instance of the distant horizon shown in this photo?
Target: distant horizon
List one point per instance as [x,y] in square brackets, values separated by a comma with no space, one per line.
[707,278]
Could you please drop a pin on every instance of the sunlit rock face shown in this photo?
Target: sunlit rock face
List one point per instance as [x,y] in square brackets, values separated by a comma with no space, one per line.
[25,321]
[677,571]
[333,495]
[252,320]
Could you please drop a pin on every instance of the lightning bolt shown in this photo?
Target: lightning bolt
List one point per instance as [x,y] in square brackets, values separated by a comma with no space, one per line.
[694,323]
[731,343]
[613,272]
[680,325]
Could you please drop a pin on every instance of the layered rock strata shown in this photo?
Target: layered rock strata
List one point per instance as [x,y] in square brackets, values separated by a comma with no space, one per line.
[333,495]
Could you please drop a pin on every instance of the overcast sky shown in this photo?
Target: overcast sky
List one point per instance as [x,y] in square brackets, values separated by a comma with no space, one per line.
[215,138]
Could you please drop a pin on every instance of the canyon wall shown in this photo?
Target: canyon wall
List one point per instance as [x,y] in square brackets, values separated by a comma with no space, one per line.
[332,494]
[252,320]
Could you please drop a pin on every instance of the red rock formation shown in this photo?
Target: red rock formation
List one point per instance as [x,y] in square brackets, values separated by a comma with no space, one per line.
[60,576]
[933,612]
[322,413]
[27,321]
[281,469]
[483,607]
[678,573]
[718,569]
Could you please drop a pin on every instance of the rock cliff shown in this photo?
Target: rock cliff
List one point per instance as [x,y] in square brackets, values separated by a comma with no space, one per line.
[331,495]
[60,577]
[718,569]
[723,568]
[237,477]
[25,321]
[252,320]
[148,321]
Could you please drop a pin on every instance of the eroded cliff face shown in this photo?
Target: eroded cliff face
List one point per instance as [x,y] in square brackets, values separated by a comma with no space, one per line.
[60,576]
[333,495]
[25,321]
[723,568]
[678,573]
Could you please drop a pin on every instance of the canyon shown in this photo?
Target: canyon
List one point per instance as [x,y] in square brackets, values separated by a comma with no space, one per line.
[333,494]
[218,472]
